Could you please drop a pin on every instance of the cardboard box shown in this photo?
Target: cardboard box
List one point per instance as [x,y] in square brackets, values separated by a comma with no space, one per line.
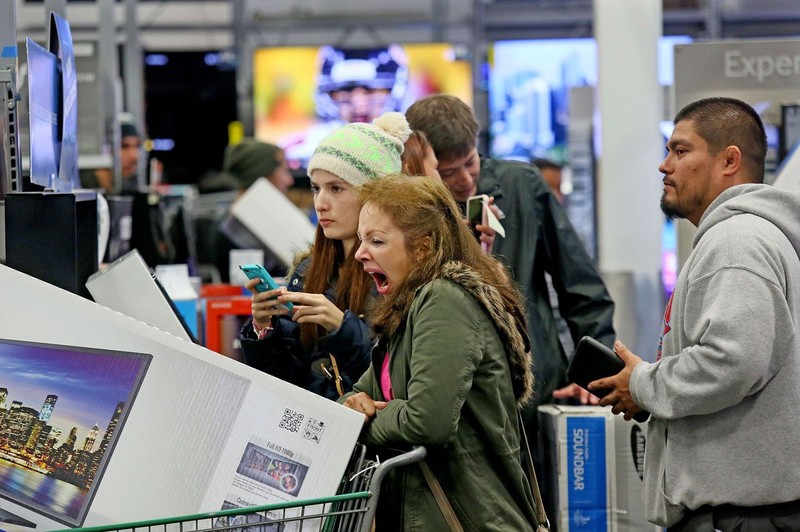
[129,286]
[592,471]
[268,215]
[194,431]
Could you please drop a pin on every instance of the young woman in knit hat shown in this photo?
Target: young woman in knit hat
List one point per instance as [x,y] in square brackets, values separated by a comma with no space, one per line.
[324,343]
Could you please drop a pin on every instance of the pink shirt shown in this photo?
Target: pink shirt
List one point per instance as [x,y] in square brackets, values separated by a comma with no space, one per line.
[386,381]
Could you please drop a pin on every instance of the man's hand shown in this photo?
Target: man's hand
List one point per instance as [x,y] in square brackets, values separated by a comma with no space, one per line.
[620,397]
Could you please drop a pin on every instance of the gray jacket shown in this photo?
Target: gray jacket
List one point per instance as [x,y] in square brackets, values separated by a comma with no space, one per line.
[725,394]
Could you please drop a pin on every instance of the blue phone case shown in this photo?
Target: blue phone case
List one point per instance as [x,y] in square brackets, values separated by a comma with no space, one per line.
[256,271]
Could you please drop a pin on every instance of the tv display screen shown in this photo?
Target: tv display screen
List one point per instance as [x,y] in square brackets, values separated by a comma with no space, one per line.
[529,84]
[62,409]
[44,102]
[61,45]
[302,93]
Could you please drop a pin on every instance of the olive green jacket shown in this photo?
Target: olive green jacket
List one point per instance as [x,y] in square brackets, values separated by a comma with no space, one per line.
[452,367]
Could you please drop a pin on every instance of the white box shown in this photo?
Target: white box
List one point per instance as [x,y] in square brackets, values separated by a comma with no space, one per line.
[274,220]
[592,471]
[198,431]
[129,286]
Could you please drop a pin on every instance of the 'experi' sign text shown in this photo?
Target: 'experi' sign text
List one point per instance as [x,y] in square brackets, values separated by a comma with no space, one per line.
[738,65]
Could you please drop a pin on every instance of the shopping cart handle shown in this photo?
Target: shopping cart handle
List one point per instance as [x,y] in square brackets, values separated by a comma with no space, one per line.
[414,455]
[409,457]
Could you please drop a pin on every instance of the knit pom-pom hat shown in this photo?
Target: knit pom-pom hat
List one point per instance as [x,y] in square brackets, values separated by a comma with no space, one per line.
[360,152]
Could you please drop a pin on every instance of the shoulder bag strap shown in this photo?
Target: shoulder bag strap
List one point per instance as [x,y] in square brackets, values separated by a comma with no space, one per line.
[541,515]
[441,498]
[337,377]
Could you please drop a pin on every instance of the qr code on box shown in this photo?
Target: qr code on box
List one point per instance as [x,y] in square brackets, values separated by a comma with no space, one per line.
[291,420]
[313,430]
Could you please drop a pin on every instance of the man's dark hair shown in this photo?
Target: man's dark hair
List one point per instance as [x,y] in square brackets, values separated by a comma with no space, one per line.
[447,122]
[723,122]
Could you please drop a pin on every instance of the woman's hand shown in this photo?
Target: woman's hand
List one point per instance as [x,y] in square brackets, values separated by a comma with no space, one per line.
[265,305]
[313,308]
[361,402]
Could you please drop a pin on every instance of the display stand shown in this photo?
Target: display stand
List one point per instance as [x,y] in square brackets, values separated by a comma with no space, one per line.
[9,122]
[53,237]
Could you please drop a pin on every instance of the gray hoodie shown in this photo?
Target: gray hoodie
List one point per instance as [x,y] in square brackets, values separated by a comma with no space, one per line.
[725,393]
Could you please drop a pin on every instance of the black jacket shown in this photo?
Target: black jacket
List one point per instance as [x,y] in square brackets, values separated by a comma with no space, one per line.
[540,239]
[282,355]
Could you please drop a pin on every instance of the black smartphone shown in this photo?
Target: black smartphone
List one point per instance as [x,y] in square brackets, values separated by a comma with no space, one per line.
[593,360]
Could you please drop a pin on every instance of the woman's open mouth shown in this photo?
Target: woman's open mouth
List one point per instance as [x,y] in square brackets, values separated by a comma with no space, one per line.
[381,281]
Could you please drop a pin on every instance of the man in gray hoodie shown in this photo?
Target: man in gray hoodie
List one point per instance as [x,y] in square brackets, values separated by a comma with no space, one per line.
[724,393]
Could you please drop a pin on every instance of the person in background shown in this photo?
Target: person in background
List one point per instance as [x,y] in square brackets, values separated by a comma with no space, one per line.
[724,393]
[551,172]
[245,162]
[324,343]
[130,150]
[242,165]
[539,240]
[451,363]
[129,153]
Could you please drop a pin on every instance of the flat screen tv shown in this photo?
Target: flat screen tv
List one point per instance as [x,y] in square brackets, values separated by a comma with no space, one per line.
[62,409]
[60,43]
[53,109]
[529,84]
[302,93]
[44,104]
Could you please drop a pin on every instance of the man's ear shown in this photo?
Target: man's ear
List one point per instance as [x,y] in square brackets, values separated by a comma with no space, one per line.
[733,161]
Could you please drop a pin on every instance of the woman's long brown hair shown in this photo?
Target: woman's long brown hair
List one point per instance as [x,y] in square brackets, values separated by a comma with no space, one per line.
[436,231]
[328,265]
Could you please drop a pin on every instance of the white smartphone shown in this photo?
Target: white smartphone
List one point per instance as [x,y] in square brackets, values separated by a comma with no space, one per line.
[476,209]
[477,206]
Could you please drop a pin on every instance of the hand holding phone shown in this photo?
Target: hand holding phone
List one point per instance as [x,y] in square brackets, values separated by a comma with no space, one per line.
[476,209]
[256,271]
[593,360]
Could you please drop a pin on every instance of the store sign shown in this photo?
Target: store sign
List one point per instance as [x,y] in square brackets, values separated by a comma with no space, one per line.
[739,64]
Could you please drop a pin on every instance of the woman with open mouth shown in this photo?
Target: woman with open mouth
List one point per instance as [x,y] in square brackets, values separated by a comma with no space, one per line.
[450,367]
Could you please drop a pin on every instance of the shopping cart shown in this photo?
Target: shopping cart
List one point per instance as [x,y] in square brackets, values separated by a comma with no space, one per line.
[351,510]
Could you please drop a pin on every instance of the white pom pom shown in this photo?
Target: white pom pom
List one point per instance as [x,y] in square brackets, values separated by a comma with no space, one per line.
[394,124]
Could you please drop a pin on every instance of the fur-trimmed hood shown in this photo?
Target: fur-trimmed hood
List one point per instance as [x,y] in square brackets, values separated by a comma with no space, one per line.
[510,326]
